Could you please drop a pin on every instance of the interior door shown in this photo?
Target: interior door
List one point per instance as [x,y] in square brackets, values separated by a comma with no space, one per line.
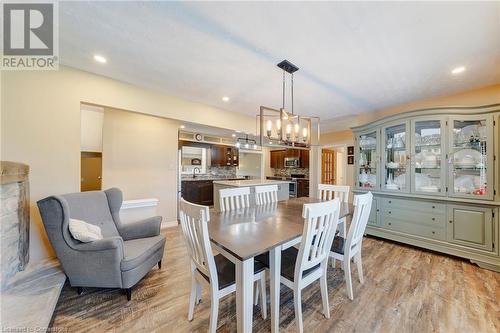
[327,166]
[91,172]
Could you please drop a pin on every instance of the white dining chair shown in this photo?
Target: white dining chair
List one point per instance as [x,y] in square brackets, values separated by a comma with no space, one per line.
[234,198]
[266,194]
[215,272]
[303,266]
[344,249]
[329,192]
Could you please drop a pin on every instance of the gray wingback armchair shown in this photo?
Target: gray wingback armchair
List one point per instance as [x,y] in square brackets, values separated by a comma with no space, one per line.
[124,256]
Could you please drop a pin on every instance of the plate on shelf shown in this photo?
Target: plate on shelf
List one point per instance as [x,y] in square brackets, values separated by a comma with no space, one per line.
[466,157]
[429,188]
[466,165]
[391,187]
[429,165]
[422,180]
[400,180]
[466,183]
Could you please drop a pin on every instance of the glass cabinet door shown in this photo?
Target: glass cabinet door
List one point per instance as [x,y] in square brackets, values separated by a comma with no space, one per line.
[428,160]
[395,158]
[367,160]
[471,156]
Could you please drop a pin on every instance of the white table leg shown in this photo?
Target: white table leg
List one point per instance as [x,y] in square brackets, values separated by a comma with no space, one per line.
[244,295]
[275,271]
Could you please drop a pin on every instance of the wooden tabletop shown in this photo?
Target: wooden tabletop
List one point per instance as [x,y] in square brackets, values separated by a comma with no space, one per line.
[248,232]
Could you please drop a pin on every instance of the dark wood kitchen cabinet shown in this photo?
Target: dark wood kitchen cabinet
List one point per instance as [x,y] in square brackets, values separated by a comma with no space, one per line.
[293,153]
[277,159]
[304,159]
[224,156]
[302,188]
[198,191]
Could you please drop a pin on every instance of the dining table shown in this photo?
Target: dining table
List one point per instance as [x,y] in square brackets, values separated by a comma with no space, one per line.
[244,233]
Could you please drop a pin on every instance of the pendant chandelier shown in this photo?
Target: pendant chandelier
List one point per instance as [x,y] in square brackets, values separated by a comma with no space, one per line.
[246,143]
[285,128]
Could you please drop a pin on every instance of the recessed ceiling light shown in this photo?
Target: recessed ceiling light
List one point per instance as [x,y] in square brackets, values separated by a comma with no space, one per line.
[225,99]
[233,135]
[183,127]
[458,70]
[100,58]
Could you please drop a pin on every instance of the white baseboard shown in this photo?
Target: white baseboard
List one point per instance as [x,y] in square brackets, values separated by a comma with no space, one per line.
[169,224]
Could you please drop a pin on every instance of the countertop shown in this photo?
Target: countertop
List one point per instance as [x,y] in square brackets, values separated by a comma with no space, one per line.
[211,178]
[285,178]
[250,182]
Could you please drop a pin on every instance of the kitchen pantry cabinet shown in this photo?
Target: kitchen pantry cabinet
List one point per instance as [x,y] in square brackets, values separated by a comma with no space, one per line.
[435,177]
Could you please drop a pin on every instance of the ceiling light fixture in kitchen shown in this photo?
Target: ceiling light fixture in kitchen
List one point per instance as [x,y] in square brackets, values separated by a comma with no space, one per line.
[286,127]
[246,142]
[225,99]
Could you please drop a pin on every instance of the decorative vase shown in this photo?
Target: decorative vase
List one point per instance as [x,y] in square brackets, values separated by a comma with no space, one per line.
[363,177]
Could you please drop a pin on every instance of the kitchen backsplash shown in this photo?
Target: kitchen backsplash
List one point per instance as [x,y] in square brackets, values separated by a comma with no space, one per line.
[287,172]
[212,171]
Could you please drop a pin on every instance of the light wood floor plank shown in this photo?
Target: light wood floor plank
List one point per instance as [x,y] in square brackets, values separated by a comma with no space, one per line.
[406,290]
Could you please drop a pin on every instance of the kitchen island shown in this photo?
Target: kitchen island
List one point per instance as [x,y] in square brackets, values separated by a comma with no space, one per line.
[283,188]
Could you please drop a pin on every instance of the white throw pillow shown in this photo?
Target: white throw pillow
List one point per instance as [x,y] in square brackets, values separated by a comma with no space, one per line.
[83,231]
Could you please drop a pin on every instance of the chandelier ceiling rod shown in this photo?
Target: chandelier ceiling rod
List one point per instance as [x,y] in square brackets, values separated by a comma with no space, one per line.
[283,90]
[292,95]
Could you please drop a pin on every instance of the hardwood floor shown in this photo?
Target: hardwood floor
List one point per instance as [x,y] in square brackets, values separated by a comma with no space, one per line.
[406,290]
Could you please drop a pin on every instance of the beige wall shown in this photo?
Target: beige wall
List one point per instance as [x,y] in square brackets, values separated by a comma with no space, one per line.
[140,157]
[40,126]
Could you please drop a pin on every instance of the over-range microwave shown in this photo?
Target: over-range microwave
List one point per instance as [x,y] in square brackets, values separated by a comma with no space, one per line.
[291,162]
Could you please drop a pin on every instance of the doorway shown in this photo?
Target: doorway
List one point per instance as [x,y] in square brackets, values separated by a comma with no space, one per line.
[328,166]
[91,171]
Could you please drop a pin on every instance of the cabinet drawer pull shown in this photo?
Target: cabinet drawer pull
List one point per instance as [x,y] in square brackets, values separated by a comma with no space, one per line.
[389,223]
[390,212]
[390,201]
[433,206]
[450,221]
[433,232]
[434,219]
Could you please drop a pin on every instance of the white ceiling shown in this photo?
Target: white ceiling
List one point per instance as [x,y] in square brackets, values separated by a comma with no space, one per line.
[354,57]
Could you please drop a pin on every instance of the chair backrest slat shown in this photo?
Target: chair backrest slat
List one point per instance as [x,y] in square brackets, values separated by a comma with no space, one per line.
[321,221]
[266,194]
[234,198]
[329,192]
[362,207]
[194,223]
